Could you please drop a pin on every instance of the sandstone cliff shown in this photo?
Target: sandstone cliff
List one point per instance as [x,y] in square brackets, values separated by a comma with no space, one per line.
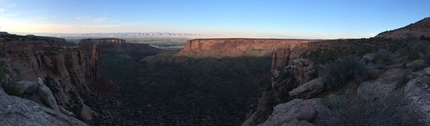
[116,45]
[236,47]
[96,63]
[67,70]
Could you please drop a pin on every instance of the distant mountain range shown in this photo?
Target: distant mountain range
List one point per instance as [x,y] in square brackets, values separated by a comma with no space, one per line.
[132,34]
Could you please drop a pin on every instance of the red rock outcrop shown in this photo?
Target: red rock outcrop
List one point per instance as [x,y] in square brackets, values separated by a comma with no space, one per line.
[30,57]
[236,47]
[280,58]
[96,63]
[116,45]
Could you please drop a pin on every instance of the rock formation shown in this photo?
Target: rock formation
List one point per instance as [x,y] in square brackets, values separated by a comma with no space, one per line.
[309,89]
[236,47]
[116,45]
[96,63]
[66,69]
[297,75]
[280,58]
[18,111]
[46,95]
[296,112]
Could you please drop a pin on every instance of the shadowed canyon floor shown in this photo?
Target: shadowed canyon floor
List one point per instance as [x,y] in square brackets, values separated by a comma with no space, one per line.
[183,90]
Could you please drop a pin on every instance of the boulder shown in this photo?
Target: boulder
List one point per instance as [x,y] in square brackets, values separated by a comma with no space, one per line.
[304,71]
[382,86]
[370,90]
[418,96]
[295,112]
[427,70]
[46,95]
[301,62]
[309,89]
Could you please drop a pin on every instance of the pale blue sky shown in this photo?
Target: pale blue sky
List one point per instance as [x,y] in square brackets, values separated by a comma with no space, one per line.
[247,18]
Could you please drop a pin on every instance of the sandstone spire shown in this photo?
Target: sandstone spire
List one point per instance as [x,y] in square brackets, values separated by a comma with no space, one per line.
[96,63]
[280,58]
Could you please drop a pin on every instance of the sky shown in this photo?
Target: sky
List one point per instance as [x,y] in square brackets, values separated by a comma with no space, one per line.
[324,19]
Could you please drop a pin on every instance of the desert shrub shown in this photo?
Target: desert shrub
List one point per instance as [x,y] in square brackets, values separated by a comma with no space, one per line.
[382,58]
[50,83]
[385,111]
[393,47]
[373,74]
[283,75]
[427,80]
[404,78]
[346,52]
[415,50]
[2,53]
[380,66]
[326,56]
[2,73]
[361,50]
[339,72]
[334,101]
[417,64]
[14,90]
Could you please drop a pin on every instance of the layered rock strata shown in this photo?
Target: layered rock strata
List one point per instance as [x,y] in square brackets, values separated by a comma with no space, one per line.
[96,63]
[236,47]
[66,69]
[116,45]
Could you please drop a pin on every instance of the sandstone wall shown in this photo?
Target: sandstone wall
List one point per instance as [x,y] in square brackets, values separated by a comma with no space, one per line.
[68,67]
[236,47]
[116,45]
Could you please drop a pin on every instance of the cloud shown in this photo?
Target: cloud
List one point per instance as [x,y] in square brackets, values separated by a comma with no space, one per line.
[100,22]
[14,23]
[39,18]
[1,10]
[11,5]
[9,15]
[88,19]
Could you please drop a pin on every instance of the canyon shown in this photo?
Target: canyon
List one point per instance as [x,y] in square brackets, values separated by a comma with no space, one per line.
[228,81]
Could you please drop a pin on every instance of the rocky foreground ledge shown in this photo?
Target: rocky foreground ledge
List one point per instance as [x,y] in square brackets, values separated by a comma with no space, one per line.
[40,111]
